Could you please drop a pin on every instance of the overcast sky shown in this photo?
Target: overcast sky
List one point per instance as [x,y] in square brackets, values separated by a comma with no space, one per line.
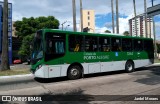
[62,10]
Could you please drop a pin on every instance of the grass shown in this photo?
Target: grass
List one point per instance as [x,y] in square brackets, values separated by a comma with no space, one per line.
[14,72]
[156,60]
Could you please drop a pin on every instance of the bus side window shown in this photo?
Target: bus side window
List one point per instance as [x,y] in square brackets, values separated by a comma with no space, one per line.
[50,48]
[116,45]
[76,49]
[104,44]
[59,47]
[138,45]
[126,44]
[91,44]
[75,43]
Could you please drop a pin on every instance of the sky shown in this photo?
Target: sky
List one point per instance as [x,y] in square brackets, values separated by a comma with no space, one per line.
[62,10]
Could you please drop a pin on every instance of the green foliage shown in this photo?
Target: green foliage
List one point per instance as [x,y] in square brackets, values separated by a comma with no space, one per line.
[107,31]
[25,47]
[126,33]
[28,26]
[31,25]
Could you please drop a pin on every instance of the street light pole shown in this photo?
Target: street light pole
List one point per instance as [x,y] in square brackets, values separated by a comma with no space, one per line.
[81,15]
[63,24]
[113,30]
[74,15]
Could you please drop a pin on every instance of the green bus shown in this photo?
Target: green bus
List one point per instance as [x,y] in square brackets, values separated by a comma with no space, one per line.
[57,53]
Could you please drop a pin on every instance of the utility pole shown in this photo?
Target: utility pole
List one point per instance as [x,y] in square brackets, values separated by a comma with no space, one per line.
[112,7]
[155,46]
[4,57]
[135,16]
[74,15]
[145,14]
[117,17]
[81,15]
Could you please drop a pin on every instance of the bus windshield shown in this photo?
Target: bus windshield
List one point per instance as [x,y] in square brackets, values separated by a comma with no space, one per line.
[37,52]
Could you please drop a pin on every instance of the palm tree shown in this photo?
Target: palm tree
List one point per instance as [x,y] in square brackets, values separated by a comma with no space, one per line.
[117,16]
[113,30]
[145,11]
[134,5]
[74,15]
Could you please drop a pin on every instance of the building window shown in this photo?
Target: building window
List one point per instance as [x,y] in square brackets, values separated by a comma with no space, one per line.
[9,13]
[88,13]
[9,27]
[88,18]
[88,23]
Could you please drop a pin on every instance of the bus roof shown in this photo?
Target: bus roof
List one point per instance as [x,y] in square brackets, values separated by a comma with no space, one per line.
[93,34]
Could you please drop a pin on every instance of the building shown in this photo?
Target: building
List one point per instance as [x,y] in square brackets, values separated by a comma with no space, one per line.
[141,27]
[9,30]
[88,20]
[13,29]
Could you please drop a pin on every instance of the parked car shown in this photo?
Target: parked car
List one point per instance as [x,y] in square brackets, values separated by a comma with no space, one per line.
[17,61]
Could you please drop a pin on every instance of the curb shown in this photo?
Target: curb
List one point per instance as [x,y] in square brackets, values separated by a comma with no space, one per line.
[16,76]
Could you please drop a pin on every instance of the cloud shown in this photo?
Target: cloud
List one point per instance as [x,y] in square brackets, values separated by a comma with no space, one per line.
[62,10]
[101,30]
[17,16]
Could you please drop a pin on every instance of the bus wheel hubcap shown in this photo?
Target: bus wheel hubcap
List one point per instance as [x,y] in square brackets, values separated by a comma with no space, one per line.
[129,67]
[74,72]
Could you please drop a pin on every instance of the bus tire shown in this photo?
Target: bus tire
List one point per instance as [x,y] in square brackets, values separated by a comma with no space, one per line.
[74,72]
[129,66]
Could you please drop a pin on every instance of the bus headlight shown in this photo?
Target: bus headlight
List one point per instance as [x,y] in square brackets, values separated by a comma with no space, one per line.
[38,67]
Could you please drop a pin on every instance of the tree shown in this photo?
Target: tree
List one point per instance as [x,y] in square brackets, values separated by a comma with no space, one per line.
[107,31]
[24,51]
[28,26]
[31,25]
[126,33]
[5,61]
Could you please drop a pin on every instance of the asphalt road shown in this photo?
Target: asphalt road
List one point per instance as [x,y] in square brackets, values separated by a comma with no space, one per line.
[144,81]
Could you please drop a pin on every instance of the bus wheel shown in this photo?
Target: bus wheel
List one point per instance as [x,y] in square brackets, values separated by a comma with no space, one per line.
[74,72]
[129,67]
